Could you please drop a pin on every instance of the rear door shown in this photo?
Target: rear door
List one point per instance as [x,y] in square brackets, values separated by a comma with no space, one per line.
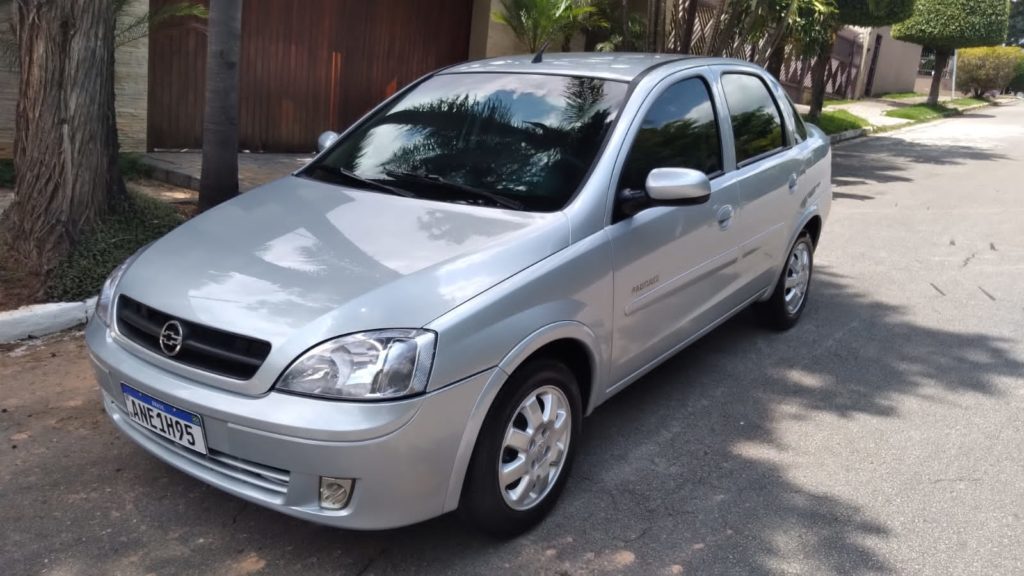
[768,167]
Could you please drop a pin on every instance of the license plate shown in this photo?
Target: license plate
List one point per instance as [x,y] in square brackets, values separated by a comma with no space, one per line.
[177,425]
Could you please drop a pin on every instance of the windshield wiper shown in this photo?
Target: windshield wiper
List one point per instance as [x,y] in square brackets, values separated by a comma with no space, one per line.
[498,199]
[363,182]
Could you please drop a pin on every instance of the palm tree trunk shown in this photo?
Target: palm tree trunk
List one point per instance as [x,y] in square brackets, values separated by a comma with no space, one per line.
[219,179]
[689,23]
[941,61]
[65,149]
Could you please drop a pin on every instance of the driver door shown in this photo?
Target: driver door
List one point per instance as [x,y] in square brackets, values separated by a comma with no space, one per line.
[674,267]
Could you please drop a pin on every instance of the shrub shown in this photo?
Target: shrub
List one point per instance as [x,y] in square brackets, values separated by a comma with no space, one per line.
[1017,83]
[81,273]
[980,70]
[951,24]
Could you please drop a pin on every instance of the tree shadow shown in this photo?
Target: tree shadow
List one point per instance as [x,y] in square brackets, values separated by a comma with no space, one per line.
[675,470]
[885,159]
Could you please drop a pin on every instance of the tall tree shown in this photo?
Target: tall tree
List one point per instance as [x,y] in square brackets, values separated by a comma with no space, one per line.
[218,181]
[65,148]
[946,25]
[1015,34]
[853,13]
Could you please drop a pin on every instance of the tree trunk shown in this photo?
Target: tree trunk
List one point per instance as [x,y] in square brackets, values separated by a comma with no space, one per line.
[775,61]
[941,61]
[689,23]
[818,71]
[219,179]
[65,147]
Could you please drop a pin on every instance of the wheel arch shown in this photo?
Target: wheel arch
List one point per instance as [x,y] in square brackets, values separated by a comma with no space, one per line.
[570,340]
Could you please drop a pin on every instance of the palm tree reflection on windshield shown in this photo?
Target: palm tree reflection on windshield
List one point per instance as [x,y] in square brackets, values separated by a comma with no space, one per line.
[483,143]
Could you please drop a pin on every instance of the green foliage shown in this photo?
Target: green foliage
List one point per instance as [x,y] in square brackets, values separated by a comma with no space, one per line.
[836,121]
[921,112]
[980,70]
[874,12]
[1015,33]
[965,102]
[1017,84]
[131,29]
[535,22]
[132,167]
[81,273]
[813,28]
[901,95]
[953,24]
[6,173]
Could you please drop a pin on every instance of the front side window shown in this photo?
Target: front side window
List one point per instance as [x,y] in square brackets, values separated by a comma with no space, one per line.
[523,141]
[756,124]
[678,131]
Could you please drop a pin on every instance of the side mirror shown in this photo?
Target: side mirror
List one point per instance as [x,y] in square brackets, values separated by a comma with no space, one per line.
[678,186]
[325,140]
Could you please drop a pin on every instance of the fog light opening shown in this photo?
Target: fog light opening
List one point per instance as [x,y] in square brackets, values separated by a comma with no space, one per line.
[335,492]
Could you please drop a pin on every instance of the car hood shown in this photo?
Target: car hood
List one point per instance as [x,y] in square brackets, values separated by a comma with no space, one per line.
[297,261]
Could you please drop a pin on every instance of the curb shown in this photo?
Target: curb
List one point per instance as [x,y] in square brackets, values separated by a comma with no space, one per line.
[41,319]
[848,135]
[172,177]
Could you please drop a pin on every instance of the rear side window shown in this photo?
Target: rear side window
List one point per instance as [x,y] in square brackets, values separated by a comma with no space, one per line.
[679,131]
[756,123]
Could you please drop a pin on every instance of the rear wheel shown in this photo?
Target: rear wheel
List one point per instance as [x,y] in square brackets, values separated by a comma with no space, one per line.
[524,451]
[782,311]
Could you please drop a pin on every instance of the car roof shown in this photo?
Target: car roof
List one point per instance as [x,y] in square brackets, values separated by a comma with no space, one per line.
[621,66]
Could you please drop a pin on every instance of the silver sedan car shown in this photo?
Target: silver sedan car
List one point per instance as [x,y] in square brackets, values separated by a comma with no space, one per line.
[419,320]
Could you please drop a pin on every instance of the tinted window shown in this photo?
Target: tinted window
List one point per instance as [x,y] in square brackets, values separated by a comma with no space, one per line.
[531,138]
[756,126]
[679,131]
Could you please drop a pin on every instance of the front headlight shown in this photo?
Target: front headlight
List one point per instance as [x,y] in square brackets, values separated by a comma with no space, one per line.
[377,365]
[105,301]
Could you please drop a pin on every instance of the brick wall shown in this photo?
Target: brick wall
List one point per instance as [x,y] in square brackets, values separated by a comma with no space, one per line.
[130,85]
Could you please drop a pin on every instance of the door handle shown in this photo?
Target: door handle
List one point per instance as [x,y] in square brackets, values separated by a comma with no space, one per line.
[725,214]
[793,181]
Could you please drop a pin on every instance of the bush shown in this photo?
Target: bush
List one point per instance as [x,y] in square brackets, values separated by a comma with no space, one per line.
[980,70]
[1017,84]
[81,273]
[952,24]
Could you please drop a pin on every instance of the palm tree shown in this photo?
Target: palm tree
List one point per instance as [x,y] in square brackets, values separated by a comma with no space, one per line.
[535,22]
[219,178]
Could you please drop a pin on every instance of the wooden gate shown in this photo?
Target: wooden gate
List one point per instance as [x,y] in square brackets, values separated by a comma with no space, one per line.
[305,66]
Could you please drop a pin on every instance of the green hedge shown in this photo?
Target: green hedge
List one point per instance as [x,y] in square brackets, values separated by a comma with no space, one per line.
[979,70]
[874,12]
[82,272]
[952,24]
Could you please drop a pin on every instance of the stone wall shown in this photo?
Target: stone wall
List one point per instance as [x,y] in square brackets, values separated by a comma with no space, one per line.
[130,85]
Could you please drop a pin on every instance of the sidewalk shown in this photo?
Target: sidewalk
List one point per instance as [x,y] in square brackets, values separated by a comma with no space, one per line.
[184,168]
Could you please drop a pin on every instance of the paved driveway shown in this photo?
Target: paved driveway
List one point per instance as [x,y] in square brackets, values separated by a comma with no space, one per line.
[883,435]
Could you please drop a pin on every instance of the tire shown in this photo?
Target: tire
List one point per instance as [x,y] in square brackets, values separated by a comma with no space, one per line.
[492,507]
[781,312]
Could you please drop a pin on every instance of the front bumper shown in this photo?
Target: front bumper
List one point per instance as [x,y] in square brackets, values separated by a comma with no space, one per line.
[272,450]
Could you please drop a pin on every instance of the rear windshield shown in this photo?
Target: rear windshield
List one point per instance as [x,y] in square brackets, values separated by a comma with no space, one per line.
[481,139]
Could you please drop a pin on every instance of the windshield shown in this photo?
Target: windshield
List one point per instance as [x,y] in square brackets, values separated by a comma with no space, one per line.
[520,141]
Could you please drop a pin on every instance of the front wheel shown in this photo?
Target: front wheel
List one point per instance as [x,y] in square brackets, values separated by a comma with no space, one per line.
[524,451]
[783,309]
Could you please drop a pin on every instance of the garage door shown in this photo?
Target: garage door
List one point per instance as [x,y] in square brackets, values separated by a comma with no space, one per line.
[305,66]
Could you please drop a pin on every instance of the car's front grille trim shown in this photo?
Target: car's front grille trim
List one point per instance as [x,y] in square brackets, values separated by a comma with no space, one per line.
[209,349]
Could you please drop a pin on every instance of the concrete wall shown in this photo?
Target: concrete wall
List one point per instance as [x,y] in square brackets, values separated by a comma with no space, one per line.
[897,63]
[131,83]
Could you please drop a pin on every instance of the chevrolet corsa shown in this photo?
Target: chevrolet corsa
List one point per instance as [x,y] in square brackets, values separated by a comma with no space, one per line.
[419,320]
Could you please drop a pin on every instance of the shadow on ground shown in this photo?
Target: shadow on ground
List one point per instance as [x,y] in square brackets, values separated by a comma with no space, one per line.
[883,159]
[665,476]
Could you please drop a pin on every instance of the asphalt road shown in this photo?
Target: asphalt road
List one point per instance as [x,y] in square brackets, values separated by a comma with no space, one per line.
[881,436]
